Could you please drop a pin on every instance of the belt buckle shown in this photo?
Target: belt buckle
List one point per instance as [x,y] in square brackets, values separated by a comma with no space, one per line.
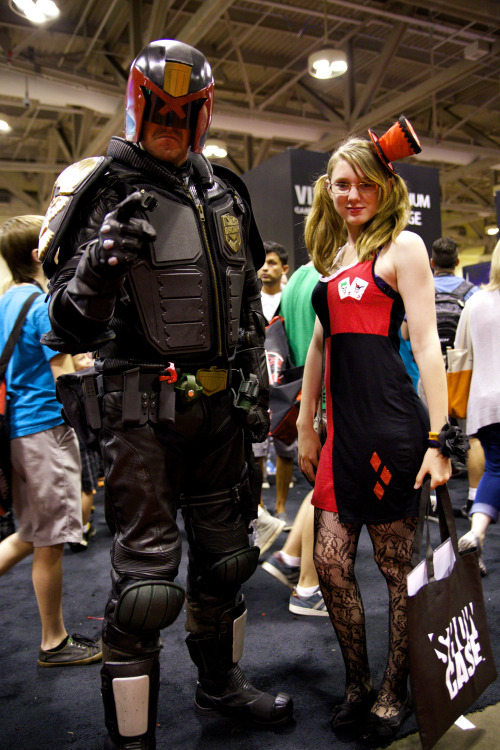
[212,379]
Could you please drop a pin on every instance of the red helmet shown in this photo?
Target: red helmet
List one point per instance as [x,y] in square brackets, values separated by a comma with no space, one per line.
[170,83]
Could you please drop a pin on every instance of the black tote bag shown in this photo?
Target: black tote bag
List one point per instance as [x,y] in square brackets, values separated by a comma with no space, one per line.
[285,383]
[451,661]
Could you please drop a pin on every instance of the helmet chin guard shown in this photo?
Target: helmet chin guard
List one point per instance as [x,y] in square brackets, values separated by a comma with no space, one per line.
[170,83]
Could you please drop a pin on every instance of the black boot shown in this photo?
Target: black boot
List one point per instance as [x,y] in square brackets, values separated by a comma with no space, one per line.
[223,687]
[120,717]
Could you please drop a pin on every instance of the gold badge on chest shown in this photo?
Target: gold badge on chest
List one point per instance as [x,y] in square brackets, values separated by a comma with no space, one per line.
[232,234]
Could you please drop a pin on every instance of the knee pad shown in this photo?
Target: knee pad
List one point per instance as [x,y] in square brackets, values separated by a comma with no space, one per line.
[148,606]
[233,570]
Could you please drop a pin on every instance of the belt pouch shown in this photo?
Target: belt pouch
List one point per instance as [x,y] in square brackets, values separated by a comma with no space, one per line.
[135,403]
[166,403]
[70,391]
[90,402]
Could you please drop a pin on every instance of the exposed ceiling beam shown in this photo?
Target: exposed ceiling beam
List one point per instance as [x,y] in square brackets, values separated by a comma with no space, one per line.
[399,103]
[10,184]
[329,112]
[376,77]
[207,15]
[456,174]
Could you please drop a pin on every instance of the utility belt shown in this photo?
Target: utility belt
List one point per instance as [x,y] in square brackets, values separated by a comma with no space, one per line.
[147,396]
[151,396]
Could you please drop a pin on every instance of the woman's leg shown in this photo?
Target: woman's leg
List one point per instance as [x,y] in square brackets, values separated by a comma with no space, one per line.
[392,546]
[334,554]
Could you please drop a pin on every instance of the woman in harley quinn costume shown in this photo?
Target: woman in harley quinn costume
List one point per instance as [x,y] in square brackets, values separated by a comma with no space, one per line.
[381,441]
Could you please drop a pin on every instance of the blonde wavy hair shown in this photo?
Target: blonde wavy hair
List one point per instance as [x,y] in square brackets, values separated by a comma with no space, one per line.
[326,232]
[494,282]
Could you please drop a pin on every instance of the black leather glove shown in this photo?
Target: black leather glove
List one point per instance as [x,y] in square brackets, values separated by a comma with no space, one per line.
[121,237]
[258,423]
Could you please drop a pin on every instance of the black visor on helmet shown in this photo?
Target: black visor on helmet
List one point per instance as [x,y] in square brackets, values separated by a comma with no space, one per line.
[183,116]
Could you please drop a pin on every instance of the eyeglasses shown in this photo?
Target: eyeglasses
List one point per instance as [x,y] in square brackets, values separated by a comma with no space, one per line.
[344,188]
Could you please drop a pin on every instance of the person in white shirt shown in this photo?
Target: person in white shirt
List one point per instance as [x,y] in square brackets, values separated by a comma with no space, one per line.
[271,273]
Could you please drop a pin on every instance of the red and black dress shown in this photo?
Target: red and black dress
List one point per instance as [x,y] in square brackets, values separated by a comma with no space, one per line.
[377,424]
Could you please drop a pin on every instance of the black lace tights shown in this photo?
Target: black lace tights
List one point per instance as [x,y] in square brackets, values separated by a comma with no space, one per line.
[334,554]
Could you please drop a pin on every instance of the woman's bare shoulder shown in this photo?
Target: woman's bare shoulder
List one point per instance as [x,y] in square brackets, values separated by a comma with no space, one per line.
[409,240]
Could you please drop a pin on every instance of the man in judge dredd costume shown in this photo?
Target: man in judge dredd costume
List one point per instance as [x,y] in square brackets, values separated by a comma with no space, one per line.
[152,255]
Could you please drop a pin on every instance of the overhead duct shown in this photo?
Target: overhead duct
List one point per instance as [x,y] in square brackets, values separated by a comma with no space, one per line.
[55,93]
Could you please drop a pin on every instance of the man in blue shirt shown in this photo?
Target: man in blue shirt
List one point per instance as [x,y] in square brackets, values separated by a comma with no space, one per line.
[46,472]
[444,260]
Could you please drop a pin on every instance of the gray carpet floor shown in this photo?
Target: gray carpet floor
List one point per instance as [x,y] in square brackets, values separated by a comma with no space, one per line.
[52,709]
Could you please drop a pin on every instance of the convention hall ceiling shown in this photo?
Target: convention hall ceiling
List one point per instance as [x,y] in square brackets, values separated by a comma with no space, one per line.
[436,61]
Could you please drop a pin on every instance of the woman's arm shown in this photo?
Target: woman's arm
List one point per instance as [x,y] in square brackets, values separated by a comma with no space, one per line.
[309,442]
[416,286]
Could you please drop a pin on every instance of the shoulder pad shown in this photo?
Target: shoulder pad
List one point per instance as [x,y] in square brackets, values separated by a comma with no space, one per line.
[68,190]
[233,179]
[256,244]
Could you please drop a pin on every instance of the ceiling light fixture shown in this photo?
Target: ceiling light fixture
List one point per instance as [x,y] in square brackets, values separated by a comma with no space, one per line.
[215,149]
[4,126]
[491,229]
[328,62]
[36,11]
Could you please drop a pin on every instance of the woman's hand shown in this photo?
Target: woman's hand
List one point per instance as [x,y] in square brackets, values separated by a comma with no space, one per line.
[437,466]
[309,451]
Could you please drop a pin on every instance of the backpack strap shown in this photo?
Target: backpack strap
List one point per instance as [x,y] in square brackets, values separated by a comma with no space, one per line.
[14,334]
[462,289]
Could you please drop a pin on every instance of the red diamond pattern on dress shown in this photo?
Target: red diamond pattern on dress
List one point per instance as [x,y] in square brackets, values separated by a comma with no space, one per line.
[385,476]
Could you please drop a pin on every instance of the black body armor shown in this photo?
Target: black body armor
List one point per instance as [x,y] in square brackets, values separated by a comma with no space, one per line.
[193,297]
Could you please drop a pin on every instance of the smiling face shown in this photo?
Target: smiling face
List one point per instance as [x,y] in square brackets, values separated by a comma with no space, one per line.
[355,208]
[165,143]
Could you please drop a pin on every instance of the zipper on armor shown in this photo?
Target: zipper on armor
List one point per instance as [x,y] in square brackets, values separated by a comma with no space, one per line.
[201,214]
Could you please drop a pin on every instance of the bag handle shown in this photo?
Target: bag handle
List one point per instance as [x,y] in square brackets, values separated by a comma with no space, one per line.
[10,344]
[447,526]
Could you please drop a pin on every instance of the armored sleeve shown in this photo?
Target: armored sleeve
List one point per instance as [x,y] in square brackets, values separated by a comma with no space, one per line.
[83,292]
[250,353]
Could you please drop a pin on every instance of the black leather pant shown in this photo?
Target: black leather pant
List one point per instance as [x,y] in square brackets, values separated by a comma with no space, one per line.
[150,470]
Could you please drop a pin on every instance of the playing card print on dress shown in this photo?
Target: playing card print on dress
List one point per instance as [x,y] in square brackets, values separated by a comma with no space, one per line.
[355,289]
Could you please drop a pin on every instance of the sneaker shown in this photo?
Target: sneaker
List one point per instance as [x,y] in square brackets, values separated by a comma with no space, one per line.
[267,529]
[310,605]
[471,541]
[86,535]
[283,517]
[277,567]
[465,510]
[76,650]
